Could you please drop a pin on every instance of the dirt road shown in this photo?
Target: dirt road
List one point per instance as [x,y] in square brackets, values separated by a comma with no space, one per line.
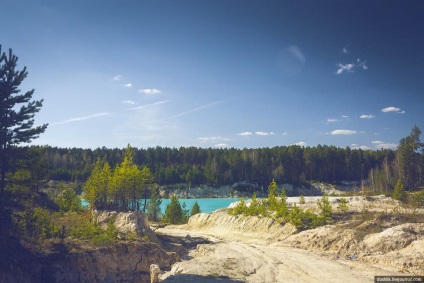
[232,259]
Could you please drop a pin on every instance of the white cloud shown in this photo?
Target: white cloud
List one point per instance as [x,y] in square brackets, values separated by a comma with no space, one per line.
[149,91]
[351,67]
[296,52]
[343,132]
[393,109]
[367,116]
[130,102]
[345,51]
[345,116]
[78,119]
[332,120]
[221,145]
[284,133]
[347,67]
[245,134]
[384,145]
[263,133]
[212,139]
[301,143]
[117,77]
[128,85]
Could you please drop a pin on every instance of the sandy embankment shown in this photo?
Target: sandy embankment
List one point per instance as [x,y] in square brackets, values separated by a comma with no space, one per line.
[252,249]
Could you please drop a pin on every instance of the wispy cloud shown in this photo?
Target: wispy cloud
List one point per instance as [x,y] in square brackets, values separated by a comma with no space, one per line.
[128,85]
[129,102]
[78,119]
[332,120]
[367,116]
[296,52]
[351,67]
[263,133]
[393,109]
[150,105]
[384,145]
[212,139]
[301,143]
[345,51]
[347,67]
[343,132]
[245,134]
[196,109]
[345,116]
[117,77]
[221,145]
[149,91]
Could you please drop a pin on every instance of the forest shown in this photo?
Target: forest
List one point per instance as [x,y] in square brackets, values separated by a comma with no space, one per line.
[285,164]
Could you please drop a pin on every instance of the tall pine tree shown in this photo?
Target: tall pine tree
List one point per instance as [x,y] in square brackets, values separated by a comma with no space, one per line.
[16,111]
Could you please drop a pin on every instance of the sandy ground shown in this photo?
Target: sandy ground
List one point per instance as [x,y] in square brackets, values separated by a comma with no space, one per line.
[230,258]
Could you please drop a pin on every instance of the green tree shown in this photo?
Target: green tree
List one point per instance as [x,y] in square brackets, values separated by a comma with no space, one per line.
[174,213]
[67,199]
[342,207]
[17,111]
[253,208]
[326,209]
[153,206]
[97,186]
[295,217]
[399,192]
[409,150]
[282,209]
[195,209]
[272,195]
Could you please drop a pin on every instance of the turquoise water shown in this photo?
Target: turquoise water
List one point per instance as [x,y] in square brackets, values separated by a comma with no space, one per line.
[207,205]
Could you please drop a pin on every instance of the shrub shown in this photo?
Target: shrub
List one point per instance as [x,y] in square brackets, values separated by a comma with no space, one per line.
[342,207]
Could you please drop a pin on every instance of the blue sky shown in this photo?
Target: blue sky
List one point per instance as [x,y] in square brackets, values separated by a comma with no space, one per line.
[221,73]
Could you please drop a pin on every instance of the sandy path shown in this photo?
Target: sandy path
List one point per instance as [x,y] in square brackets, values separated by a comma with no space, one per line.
[230,259]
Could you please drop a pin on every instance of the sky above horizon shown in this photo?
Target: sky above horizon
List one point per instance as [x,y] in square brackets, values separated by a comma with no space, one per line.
[233,73]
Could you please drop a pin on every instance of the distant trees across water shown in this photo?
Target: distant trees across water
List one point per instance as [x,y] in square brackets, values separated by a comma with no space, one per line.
[291,164]
[285,164]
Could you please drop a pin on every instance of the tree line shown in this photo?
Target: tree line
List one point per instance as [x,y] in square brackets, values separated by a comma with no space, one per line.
[285,164]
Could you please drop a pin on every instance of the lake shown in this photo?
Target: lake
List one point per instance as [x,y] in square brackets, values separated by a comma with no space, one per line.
[207,205]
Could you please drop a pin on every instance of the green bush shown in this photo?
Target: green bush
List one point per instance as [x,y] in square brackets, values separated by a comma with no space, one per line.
[342,207]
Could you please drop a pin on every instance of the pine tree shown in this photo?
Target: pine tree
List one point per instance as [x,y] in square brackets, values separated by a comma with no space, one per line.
[399,193]
[409,155]
[195,209]
[342,207]
[17,111]
[173,212]
[272,195]
[326,209]
[153,207]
